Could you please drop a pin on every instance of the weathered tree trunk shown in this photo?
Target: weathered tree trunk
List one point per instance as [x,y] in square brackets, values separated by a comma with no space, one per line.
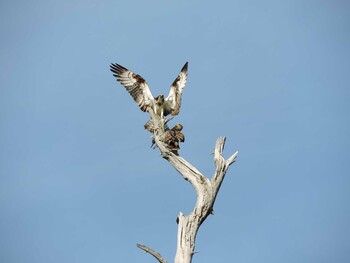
[207,190]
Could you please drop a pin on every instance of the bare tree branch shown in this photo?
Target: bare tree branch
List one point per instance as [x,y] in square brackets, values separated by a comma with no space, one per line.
[206,189]
[152,252]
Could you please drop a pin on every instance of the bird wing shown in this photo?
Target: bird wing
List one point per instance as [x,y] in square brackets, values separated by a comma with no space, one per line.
[135,85]
[174,98]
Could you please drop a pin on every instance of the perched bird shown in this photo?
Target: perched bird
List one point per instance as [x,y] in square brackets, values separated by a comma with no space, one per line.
[173,136]
[141,93]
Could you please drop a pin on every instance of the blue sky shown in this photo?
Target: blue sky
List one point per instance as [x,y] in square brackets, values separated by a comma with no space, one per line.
[78,179]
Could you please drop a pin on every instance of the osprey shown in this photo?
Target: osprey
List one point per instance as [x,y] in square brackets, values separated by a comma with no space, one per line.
[141,93]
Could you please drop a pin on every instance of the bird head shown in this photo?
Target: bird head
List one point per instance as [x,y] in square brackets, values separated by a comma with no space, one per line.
[177,127]
[160,99]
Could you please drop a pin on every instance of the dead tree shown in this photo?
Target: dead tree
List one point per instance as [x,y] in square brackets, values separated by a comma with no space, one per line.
[207,189]
[168,141]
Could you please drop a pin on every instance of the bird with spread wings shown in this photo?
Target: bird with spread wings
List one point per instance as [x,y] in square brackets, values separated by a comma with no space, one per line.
[141,93]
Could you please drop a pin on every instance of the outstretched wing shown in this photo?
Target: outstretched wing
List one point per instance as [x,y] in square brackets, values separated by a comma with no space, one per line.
[173,101]
[135,85]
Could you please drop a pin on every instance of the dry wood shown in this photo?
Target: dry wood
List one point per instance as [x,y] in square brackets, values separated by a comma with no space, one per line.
[207,190]
[152,252]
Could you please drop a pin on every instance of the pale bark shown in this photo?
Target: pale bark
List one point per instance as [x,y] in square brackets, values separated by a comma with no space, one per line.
[207,190]
[152,252]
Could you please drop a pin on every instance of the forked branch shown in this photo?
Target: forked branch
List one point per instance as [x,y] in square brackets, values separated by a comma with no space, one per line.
[206,190]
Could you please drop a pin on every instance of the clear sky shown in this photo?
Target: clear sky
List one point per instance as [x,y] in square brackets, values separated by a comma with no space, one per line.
[78,179]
